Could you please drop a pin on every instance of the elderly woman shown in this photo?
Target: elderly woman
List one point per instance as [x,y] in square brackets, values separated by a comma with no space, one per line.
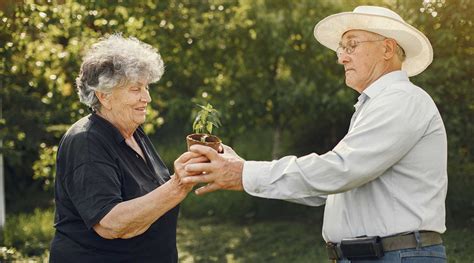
[115,199]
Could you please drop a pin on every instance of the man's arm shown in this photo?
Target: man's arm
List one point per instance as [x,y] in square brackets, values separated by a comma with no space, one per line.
[384,135]
[310,201]
[232,177]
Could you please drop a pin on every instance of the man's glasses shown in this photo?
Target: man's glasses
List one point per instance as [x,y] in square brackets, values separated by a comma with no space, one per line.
[351,46]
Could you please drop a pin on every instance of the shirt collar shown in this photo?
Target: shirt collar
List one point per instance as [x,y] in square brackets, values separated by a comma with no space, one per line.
[360,100]
[109,127]
[384,81]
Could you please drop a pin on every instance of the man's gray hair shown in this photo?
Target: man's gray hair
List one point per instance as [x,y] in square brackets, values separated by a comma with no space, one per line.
[113,62]
[401,53]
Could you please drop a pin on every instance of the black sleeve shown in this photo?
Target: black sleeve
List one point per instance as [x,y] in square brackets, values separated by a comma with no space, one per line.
[94,188]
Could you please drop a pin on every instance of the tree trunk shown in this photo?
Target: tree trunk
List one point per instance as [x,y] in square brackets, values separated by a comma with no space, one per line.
[276,142]
[2,191]
[2,187]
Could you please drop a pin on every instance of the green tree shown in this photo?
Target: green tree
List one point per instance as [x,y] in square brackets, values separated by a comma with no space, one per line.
[256,61]
[265,65]
[41,48]
[449,80]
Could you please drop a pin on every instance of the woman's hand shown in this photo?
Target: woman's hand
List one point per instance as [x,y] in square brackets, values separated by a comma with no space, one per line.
[180,173]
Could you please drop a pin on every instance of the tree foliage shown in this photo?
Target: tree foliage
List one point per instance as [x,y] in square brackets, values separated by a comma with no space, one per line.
[254,60]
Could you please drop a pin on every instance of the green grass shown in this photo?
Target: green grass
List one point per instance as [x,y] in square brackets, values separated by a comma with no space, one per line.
[277,241]
[459,242]
[26,237]
[280,241]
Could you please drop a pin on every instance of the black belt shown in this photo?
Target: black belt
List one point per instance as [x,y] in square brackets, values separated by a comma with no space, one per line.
[375,246]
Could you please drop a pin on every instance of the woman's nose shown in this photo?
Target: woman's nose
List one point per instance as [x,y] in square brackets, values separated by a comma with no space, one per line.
[146,96]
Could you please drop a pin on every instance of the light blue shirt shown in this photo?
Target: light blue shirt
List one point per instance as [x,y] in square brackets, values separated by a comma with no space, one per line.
[388,175]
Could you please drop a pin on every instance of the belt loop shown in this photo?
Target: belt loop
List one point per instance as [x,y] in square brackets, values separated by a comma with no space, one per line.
[418,239]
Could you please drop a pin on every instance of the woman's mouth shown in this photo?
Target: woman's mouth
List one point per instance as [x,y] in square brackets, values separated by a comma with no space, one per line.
[141,109]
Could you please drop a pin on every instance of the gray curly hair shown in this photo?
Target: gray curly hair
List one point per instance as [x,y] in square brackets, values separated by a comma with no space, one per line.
[113,62]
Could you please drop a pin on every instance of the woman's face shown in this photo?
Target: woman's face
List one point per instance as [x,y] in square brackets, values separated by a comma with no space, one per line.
[128,104]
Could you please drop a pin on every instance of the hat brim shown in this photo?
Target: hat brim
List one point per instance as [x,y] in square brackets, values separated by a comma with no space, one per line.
[418,50]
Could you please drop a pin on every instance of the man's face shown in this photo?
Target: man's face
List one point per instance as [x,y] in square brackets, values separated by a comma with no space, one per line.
[362,66]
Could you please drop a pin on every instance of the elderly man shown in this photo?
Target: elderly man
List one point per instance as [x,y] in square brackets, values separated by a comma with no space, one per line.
[384,184]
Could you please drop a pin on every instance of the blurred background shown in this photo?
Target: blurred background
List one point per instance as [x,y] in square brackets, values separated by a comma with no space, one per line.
[279,92]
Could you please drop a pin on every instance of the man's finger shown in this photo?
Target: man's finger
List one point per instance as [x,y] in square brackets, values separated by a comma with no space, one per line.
[227,148]
[198,167]
[230,153]
[202,178]
[200,159]
[207,189]
[210,153]
[187,174]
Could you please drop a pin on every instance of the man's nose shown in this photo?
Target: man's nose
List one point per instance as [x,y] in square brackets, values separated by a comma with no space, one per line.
[343,58]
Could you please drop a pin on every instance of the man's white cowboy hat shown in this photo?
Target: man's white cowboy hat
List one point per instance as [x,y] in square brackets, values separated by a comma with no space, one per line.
[383,21]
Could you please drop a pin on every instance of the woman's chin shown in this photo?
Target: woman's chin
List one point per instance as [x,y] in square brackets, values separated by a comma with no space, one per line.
[140,116]
[140,121]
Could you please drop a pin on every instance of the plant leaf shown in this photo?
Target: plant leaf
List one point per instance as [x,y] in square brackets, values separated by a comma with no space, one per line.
[209,127]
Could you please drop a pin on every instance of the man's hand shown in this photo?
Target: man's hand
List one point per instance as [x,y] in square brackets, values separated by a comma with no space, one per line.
[224,171]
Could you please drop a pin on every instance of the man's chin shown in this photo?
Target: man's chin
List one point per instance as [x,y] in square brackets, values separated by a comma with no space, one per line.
[349,83]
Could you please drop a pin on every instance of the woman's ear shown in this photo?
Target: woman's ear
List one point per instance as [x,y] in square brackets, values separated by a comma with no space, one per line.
[104,99]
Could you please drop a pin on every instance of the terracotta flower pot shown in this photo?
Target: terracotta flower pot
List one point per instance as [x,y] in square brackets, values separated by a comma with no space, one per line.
[212,141]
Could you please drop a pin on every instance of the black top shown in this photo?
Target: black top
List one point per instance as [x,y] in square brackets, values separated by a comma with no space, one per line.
[96,170]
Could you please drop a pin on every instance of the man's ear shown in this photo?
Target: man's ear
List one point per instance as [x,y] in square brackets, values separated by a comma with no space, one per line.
[390,48]
[104,99]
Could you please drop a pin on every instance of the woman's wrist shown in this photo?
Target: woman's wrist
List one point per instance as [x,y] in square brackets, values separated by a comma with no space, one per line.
[179,188]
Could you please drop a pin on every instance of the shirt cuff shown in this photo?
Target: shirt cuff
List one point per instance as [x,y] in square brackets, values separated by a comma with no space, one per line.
[255,176]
